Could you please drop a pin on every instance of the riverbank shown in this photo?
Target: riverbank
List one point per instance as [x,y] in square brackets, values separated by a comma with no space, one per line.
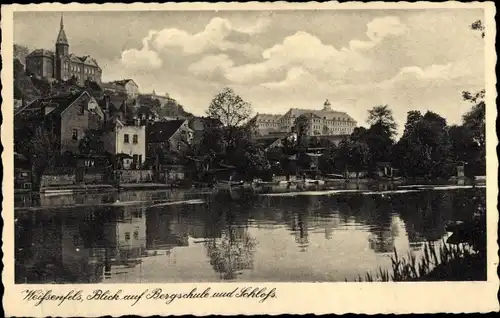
[446,263]
[90,188]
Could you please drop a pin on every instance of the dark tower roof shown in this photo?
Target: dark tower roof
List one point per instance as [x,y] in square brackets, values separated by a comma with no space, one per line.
[61,38]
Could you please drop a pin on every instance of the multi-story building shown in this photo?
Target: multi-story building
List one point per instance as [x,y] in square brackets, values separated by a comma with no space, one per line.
[324,122]
[66,118]
[61,64]
[126,86]
[129,141]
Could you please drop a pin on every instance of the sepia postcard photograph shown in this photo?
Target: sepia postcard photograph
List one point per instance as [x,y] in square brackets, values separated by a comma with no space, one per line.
[249,158]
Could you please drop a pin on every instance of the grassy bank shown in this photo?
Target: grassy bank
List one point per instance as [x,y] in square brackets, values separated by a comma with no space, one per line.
[443,263]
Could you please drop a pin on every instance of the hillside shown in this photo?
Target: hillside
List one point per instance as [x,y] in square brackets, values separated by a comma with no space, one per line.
[29,87]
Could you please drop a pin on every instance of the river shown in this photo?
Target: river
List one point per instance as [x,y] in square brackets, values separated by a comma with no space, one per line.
[327,234]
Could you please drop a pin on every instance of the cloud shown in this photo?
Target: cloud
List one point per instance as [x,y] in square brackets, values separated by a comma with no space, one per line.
[251,28]
[295,77]
[377,30]
[211,63]
[307,51]
[214,36]
[142,59]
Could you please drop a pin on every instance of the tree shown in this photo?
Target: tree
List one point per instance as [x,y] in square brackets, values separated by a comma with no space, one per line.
[380,136]
[352,155]
[301,128]
[229,108]
[20,52]
[327,161]
[43,149]
[383,117]
[251,162]
[92,142]
[412,119]
[474,120]
[424,148]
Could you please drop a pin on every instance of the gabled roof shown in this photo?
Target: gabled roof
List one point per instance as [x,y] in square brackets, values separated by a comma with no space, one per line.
[267,117]
[124,82]
[59,102]
[266,141]
[162,131]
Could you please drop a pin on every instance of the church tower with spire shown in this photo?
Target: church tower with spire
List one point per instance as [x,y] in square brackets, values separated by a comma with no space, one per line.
[62,45]
[61,65]
[62,50]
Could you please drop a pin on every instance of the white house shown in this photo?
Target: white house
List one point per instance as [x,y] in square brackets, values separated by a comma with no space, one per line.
[129,142]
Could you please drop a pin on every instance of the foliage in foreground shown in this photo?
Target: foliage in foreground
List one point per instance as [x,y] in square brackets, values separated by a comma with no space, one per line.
[450,259]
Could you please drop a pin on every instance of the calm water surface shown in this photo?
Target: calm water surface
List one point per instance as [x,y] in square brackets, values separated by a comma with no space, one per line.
[184,236]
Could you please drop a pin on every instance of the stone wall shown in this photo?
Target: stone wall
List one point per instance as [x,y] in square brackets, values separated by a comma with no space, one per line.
[136,176]
[58,180]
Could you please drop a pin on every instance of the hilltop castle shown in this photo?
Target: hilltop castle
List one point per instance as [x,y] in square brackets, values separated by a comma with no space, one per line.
[63,65]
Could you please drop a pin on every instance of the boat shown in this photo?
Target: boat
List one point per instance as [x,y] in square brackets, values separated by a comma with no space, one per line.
[54,192]
[334,178]
[229,185]
[314,181]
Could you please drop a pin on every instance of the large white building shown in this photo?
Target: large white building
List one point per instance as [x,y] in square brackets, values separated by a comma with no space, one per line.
[324,122]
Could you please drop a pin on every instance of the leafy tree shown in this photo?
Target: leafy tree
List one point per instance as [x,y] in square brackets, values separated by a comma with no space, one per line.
[424,148]
[474,120]
[383,117]
[229,108]
[301,128]
[327,161]
[228,132]
[352,155]
[20,52]
[251,162]
[42,150]
[380,136]
[92,142]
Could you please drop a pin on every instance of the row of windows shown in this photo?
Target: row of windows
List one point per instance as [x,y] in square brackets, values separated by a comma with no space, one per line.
[78,68]
[135,139]
[136,235]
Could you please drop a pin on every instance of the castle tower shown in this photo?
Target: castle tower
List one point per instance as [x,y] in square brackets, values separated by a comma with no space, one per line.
[327,106]
[62,46]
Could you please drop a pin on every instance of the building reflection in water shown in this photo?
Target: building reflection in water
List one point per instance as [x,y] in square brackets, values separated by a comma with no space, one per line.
[78,245]
[95,242]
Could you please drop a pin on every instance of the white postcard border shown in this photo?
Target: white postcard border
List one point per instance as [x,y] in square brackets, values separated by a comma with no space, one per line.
[294,298]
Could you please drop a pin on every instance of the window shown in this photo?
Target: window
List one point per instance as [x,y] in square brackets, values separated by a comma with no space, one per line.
[136,234]
[82,108]
[125,138]
[75,134]
[134,139]
[127,236]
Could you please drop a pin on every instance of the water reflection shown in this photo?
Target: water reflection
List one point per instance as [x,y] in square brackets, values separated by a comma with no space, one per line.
[128,237]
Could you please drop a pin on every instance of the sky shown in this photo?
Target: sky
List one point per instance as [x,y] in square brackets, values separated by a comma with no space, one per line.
[277,60]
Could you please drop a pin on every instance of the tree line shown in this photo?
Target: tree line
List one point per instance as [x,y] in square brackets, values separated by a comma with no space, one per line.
[428,147]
